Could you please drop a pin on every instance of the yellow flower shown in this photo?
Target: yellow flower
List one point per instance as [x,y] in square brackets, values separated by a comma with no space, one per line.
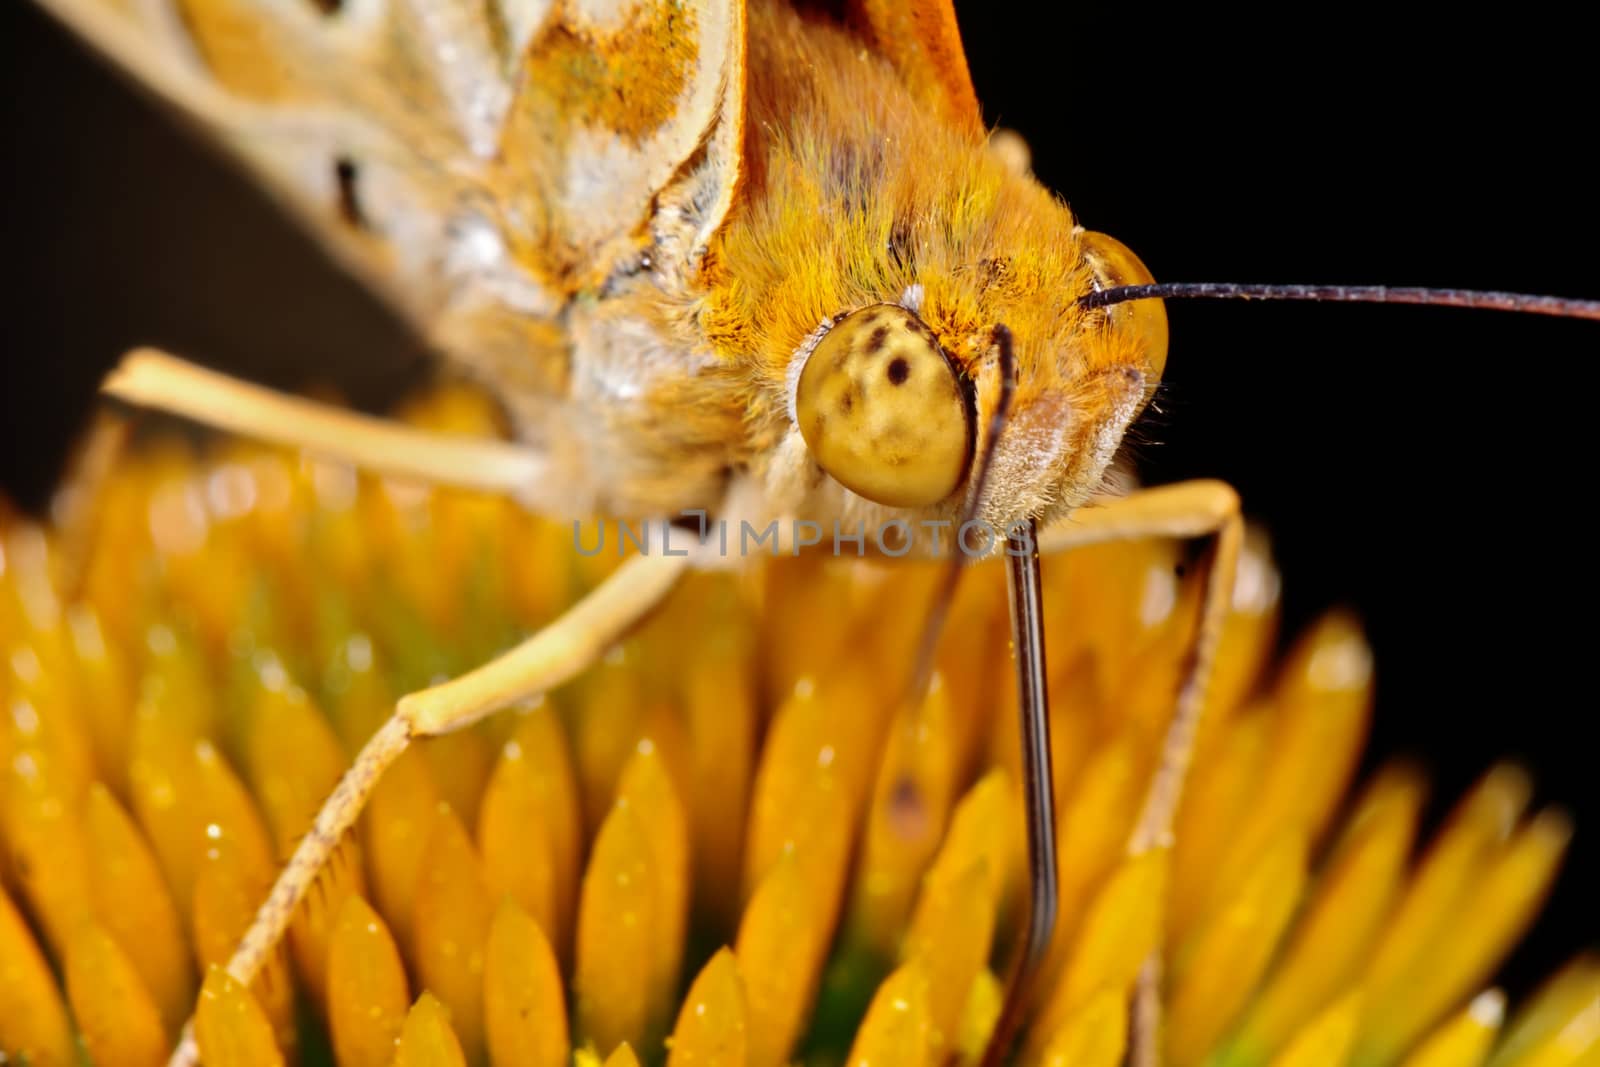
[728,844]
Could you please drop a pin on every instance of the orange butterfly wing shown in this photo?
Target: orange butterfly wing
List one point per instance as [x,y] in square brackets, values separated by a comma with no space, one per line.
[921,39]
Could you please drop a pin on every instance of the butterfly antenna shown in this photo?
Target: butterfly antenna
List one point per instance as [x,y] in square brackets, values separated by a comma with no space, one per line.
[1555,306]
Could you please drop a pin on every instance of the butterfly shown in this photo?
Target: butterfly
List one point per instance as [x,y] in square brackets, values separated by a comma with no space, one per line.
[600,295]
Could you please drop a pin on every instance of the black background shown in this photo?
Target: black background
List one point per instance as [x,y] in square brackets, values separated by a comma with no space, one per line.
[1428,467]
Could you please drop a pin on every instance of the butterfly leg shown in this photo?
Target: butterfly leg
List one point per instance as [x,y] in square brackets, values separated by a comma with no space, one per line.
[1203,508]
[549,658]
[153,379]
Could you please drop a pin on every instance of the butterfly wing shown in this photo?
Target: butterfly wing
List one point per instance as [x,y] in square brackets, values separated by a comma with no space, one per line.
[921,40]
[470,160]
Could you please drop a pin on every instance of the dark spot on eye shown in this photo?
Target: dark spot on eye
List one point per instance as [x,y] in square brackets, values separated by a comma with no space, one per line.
[899,371]
[876,341]
[347,174]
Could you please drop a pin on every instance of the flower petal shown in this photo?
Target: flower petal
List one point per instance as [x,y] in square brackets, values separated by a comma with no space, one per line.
[647,789]
[529,828]
[452,928]
[949,941]
[1501,900]
[1120,930]
[780,946]
[1213,977]
[133,905]
[230,1027]
[711,1029]
[1464,1039]
[398,820]
[426,1039]
[1573,990]
[120,1022]
[33,1022]
[897,1030]
[1325,1041]
[617,933]
[1094,1036]
[366,987]
[524,1015]
[1344,917]
[906,818]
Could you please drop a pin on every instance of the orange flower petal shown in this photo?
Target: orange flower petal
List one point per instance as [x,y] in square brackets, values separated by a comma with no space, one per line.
[1501,900]
[397,821]
[1321,706]
[1119,931]
[712,1024]
[524,1014]
[1213,977]
[1095,1035]
[909,808]
[1326,1039]
[1571,991]
[529,828]
[133,905]
[293,757]
[983,827]
[647,789]
[608,710]
[722,715]
[1093,830]
[1215,802]
[1481,822]
[230,1027]
[823,738]
[426,1039]
[233,881]
[1343,918]
[897,1030]
[979,1016]
[366,987]
[622,1056]
[106,693]
[120,1022]
[452,928]
[779,949]
[618,933]
[33,1022]
[312,926]
[42,839]
[1464,1039]
[461,761]
[949,939]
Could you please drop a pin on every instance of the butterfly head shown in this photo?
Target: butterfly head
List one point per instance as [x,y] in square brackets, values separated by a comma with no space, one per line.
[898,409]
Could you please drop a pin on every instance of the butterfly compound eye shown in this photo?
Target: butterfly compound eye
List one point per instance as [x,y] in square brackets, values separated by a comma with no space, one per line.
[884,410]
[1145,320]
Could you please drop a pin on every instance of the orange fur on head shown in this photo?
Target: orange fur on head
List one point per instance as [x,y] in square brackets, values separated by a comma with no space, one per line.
[854,192]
